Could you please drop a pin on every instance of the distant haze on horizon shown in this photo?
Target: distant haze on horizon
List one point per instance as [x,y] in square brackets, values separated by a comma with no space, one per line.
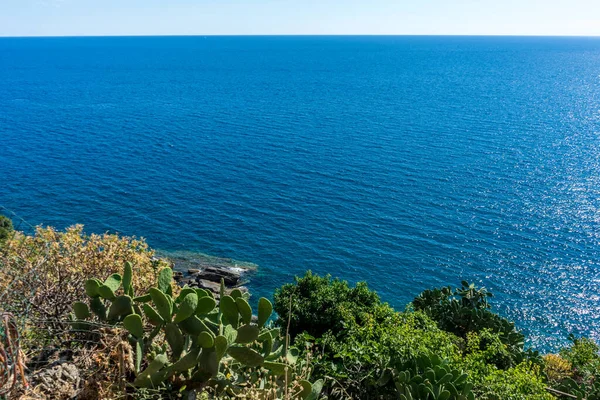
[307,17]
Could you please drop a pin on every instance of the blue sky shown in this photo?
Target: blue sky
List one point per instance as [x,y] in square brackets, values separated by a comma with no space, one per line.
[255,17]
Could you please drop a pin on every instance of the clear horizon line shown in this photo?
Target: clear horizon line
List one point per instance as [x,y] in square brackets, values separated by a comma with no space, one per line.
[306,35]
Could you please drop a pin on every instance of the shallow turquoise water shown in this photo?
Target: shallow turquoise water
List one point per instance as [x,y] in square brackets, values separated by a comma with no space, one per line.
[407,162]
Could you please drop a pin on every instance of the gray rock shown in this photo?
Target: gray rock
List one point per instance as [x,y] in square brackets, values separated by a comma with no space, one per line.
[215,274]
[209,285]
[188,282]
[177,276]
[215,288]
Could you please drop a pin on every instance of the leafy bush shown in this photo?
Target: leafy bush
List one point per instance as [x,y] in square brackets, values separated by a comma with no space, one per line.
[321,304]
[523,382]
[357,337]
[385,340]
[489,364]
[557,368]
[44,274]
[466,310]
[583,354]
[487,347]
[583,378]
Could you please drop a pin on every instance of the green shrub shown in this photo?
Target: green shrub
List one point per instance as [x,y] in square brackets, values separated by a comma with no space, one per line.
[487,346]
[357,337]
[583,356]
[385,340]
[466,310]
[389,338]
[583,379]
[523,382]
[321,304]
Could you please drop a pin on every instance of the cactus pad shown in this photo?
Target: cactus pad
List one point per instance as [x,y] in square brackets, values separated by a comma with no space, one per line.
[230,334]
[152,315]
[162,304]
[113,282]
[205,340]
[188,361]
[98,308]
[194,326]
[121,306]
[187,307]
[271,334]
[143,379]
[143,299]
[247,334]
[276,368]
[229,309]
[244,310]
[81,310]
[165,276]
[128,278]
[106,292]
[310,391]
[246,356]
[175,339]
[221,346]
[139,354]
[184,292]
[205,305]
[92,286]
[265,309]
[208,364]
[133,323]
[267,347]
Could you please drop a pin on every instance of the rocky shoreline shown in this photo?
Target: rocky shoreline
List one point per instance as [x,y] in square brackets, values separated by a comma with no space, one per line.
[209,278]
[205,272]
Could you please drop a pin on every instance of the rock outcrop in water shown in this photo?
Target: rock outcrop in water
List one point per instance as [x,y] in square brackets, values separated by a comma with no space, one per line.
[203,271]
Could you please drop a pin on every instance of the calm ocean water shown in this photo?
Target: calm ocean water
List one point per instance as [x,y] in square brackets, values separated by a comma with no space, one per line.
[408,162]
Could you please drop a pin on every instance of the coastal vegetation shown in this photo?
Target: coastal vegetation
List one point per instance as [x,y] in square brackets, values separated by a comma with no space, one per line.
[6,228]
[99,317]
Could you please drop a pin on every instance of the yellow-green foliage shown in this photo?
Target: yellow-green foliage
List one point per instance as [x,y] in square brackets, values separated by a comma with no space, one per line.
[44,274]
[383,339]
[487,362]
[557,368]
[401,336]
[584,356]
[487,348]
[523,382]
[584,378]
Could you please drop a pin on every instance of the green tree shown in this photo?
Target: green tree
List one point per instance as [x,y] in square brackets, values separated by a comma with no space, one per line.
[317,304]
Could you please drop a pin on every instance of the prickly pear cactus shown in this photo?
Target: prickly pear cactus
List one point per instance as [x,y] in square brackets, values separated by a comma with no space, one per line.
[201,337]
[591,391]
[429,378]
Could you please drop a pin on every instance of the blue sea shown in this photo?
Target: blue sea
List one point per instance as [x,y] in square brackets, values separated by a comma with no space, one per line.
[407,162]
